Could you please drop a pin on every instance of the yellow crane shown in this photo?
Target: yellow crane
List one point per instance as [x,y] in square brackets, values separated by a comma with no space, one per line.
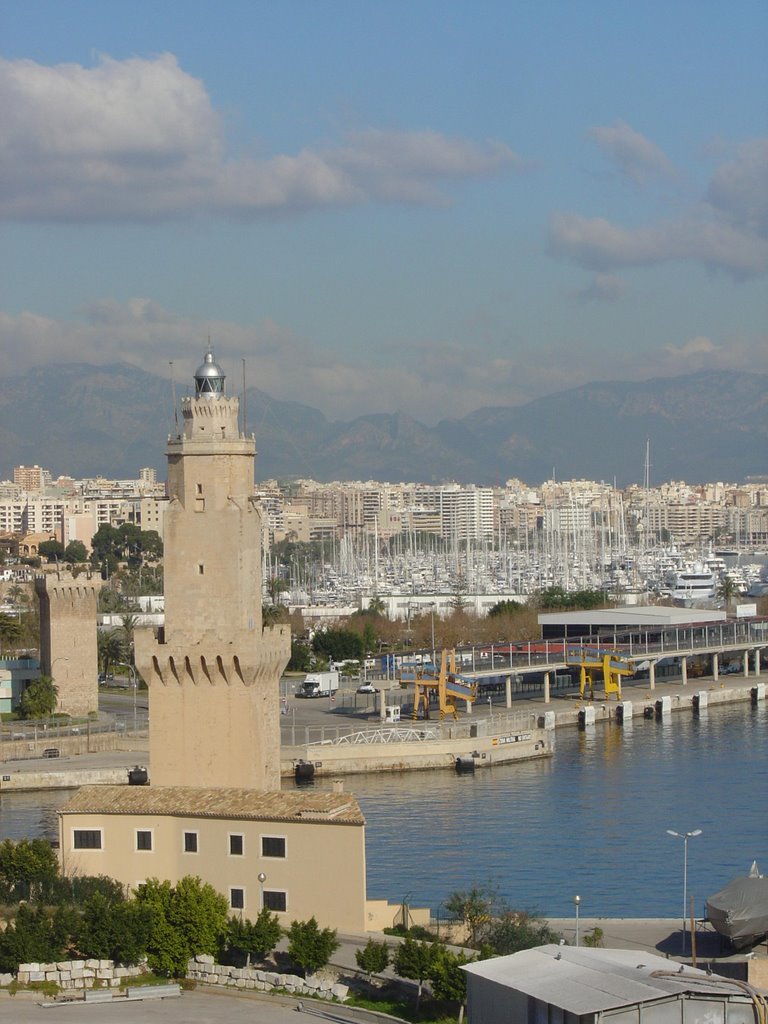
[446,683]
[591,659]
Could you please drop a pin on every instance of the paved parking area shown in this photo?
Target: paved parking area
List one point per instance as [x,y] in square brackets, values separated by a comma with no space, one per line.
[190,1008]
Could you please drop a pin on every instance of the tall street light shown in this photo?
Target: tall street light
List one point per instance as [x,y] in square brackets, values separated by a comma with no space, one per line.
[262,879]
[135,684]
[577,904]
[432,618]
[685,836]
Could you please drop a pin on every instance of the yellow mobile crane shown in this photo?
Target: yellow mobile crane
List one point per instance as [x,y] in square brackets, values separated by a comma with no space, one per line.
[447,684]
[612,665]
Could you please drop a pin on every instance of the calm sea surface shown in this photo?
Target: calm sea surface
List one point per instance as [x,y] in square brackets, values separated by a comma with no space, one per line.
[591,820]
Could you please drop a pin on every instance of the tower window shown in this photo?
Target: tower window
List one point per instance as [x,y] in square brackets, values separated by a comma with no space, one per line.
[199,488]
[201,570]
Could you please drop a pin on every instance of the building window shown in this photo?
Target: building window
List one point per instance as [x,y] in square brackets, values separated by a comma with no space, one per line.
[236,845]
[237,899]
[275,899]
[201,570]
[199,488]
[87,839]
[273,846]
[143,839]
[190,842]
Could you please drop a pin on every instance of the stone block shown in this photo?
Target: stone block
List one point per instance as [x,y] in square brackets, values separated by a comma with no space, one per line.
[28,967]
[52,976]
[204,958]
[104,972]
[36,975]
[106,965]
[78,973]
[122,972]
[114,983]
[312,982]
[239,982]
[47,968]
[78,982]
[271,978]
[64,965]
[92,964]
[340,992]
[78,965]
[250,983]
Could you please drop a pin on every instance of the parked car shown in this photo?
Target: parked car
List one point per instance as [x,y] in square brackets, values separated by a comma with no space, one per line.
[367,688]
[51,752]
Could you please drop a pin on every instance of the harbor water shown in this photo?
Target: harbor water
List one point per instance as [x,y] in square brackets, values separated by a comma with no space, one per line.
[590,821]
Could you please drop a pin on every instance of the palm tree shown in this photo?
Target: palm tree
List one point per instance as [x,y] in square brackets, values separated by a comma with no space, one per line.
[727,591]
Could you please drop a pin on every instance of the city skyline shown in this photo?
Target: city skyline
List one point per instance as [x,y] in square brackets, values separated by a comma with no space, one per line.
[434,208]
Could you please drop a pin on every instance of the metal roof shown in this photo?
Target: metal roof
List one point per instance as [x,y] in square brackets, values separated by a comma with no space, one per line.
[636,615]
[581,981]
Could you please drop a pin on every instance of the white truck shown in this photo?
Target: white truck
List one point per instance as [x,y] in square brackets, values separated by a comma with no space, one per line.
[319,684]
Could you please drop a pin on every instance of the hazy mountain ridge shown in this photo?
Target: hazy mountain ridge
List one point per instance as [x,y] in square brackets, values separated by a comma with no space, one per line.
[112,420]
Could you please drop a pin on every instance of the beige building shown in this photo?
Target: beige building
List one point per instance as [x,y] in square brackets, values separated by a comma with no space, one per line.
[310,847]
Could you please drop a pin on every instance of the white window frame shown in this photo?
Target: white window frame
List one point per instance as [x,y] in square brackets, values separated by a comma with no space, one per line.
[230,836]
[88,849]
[151,840]
[239,888]
[272,856]
[184,834]
[287,902]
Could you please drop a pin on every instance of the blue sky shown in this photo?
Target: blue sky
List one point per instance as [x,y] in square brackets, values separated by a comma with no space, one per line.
[428,206]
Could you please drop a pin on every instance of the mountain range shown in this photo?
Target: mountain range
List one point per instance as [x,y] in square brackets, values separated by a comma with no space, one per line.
[84,420]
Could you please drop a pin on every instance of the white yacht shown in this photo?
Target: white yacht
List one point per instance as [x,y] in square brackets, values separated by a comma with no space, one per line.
[693,584]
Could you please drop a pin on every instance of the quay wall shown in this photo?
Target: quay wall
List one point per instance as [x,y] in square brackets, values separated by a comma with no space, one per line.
[72,778]
[415,755]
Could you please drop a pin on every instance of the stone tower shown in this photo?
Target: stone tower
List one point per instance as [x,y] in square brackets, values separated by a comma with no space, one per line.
[68,648]
[213,673]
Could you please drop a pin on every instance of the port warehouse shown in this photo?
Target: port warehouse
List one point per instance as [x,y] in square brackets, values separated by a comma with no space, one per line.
[668,634]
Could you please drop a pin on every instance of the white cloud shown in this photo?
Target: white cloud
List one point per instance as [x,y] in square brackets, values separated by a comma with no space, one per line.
[726,229]
[700,345]
[739,189]
[603,288]
[598,244]
[140,140]
[636,156]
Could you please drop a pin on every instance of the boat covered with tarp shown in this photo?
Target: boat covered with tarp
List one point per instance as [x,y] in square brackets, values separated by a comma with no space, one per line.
[740,910]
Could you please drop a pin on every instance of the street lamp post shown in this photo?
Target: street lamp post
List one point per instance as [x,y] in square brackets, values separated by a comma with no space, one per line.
[262,879]
[135,684]
[685,836]
[577,904]
[432,621]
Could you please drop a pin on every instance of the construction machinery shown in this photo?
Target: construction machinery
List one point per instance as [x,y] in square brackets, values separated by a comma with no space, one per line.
[446,685]
[597,659]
